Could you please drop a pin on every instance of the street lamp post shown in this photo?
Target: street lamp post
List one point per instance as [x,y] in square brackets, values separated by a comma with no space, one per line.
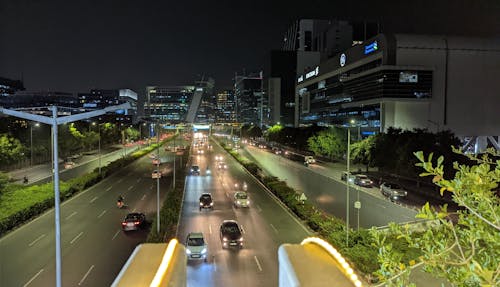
[347,179]
[31,142]
[158,181]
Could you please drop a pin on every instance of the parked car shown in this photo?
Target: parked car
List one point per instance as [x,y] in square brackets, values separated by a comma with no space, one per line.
[363,180]
[133,221]
[196,246]
[241,199]
[69,164]
[156,161]
[206,201]
[156,174]
[344,177]
[392,191]
[195,170]
[231,234]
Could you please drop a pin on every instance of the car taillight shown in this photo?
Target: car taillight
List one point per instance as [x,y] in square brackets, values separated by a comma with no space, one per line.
[136,223]
[124,223]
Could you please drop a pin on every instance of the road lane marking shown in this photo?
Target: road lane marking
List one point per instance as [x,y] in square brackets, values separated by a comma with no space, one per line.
[258,207]
[120,180]
[74,239]
[274,228]
[215,264]
[85,276]
[135,209]
[258,263]
[71,215]
[130,187]
[33,278]
[210,229]
[143,197]
[139,179]
[36,240]
[242,229]
[102,213]
[109,188]
[93,199]
[114,236]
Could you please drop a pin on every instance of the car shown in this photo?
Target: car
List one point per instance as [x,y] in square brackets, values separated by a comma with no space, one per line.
[69,164]
[363,180]
[221,165]
[241,199]
[218,158]
[156,161]
[195,170]
[309,159]
[200,151]
[133,221]
[344,177]
[206,201]
[196,246]
[393,191]
[231,234]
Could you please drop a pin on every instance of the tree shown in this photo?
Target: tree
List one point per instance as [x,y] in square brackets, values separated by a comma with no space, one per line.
[273,133]
[11,149]
[361,152]
[331,143]
[466,250]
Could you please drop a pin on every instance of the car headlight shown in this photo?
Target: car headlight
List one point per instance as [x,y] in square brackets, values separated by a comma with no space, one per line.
[224,238]
[201,203]
[241,239]
[238,202]
[188,251]
[203,251]
[211,203]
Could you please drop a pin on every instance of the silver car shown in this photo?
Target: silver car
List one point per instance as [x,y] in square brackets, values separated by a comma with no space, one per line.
[196,247]
[393,191]
[363,180]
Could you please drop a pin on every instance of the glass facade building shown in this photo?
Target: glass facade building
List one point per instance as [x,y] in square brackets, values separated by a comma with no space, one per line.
[168,104]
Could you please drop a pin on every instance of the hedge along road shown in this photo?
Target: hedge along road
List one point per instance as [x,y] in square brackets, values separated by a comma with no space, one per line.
[329,194]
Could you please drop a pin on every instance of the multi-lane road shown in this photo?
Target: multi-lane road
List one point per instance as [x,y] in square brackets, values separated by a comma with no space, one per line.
[94,247]
[266,224]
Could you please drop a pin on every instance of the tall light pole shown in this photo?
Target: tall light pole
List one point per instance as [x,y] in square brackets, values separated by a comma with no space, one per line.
[31,142]
[54,121]
[158,181]
[98,143]
[347,186]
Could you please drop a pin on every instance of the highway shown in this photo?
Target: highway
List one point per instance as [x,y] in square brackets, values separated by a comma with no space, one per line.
[93,246]
[329,193]
[266,225]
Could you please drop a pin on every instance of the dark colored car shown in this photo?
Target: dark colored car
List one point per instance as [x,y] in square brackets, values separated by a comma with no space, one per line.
[134,221]
[195,170]
[230,234]
[393,191]
[206,201]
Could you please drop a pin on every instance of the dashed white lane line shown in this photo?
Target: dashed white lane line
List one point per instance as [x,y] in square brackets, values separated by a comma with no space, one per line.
[76,238]
[93,199]
[114,236]
[85,276]
[139,179]
[210,229]
[143,197]
[274,228]
[120,180]
[33,278]
[215,264]
[109,188]
[242,229]
[102,213]
[258,207]
[135,209]
[130,187]
[71,215]
[36,240]
[258,263]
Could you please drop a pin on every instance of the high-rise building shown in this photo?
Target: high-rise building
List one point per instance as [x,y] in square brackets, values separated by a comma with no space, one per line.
[169,104]
[251,105]
[226,107]
[100,98]
[281,87]
[206,112]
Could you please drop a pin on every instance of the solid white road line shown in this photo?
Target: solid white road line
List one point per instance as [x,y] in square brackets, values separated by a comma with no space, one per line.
[130,187]
[93,199]
[143,197]
[33,278]
[36,240]
[102,213]
[74,239]
[109,188]
[71,215]
[258,263]
[115,235]
[274,228]
[85,276]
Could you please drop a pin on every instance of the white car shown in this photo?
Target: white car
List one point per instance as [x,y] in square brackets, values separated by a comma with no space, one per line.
[241,199]
[196,247]
[309,159]
[344,177]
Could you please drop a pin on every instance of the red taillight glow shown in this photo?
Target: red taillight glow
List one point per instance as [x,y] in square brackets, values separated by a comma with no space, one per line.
[124,223]
[136,223]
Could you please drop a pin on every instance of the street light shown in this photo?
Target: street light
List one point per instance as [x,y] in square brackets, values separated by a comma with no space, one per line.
[99,143]
[31,141]
[347,186]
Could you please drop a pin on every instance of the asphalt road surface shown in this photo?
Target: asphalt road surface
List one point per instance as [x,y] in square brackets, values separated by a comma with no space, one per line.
[266,225]
[94,248]
[330,194]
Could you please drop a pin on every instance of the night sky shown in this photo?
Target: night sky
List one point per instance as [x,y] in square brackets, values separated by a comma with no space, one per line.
[76,45]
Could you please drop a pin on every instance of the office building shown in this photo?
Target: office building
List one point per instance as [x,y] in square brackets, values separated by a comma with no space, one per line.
[408,81]
[226,107]
[10,87]
[251,104]
[168,104]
